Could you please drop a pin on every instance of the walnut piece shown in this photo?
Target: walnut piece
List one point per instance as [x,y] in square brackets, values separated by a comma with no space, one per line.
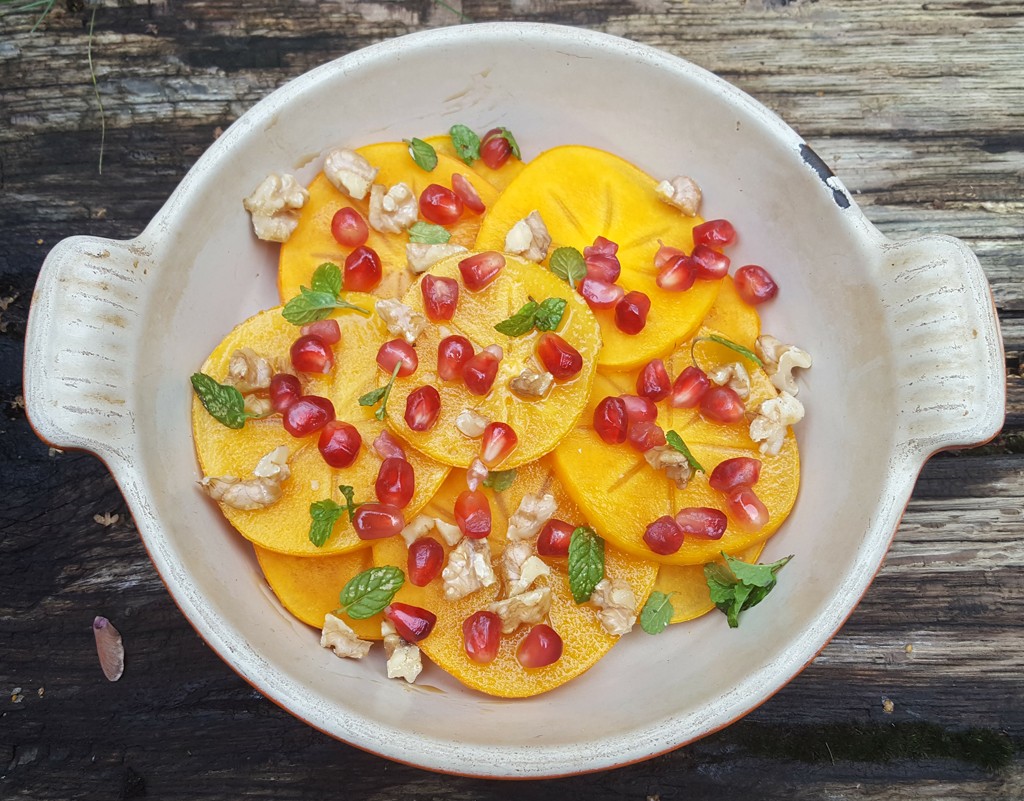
[254,493]
[529,384]
[468,569]
[393,210]
[667,458]
[421,256]
[403,657]
[780,360]
[734,376]
[257,406]
[773,417]
[515,554]
[476,474]
[349,172]
[274,206]
[529,608]
[337,636]
[248,371]
[533,512]
[681,192]
[400,319]
[449,532]
[532,569]
[418,527]
[615,598]
[529,238]
[470,423]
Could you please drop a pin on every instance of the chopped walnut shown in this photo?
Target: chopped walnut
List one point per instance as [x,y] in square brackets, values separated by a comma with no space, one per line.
[531,570]
[780,360]
[274,206]
[337,636]
[403,657]
[254,493]
[449,532]
[681,192]
[418,527]
[615,598]
[257,405]
[476,474]
[515,554]
[470,423]
[533,512]
[773,417]
[529,608]
[468,569]
[734,376]
[248,371]
[421,256]
[394,210]
[400,319]
[529,384]
[529,238]
[349,172]
[667,458]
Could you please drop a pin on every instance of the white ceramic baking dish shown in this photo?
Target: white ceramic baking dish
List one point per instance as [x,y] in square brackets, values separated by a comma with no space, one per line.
[907,352]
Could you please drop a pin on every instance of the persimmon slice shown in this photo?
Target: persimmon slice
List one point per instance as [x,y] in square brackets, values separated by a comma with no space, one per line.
[312,243]
[284,525]
[688,587]
[582,193]
[499,178]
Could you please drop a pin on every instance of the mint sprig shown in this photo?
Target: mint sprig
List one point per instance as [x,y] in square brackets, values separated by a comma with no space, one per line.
[718,339]
[381,395]
[367,593]
[737,585]
[544,316]
[326,513]
[568,264]
[500,480]
[465,142]
[586,563]
[318,302]
[224,402]
[676,441]
[428,233]
[422,153]
[657,612]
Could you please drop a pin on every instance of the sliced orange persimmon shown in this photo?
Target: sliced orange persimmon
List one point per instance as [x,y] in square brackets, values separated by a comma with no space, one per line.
[538,423]
[582,193]
[688,587]
[499,178]
[584,640]
[732,318]
[284,525]
[312,243]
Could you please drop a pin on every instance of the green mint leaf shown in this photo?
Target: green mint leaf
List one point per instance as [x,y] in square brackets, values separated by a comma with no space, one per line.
[673,439]
[381,395]
[372,397]
[350,496]
[309,306]
[500,480]
[422,153]
[586,563]
[738,585]
[549,315]
[465,142]
[324,515]
[327,278]
[224,403]
[756,575]
[657,612]
[369,592]
[519,323]
[568,264]
[428,233]
[506,134]
[746,353]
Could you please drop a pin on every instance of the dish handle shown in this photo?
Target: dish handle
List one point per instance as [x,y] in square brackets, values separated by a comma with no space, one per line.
[950,365]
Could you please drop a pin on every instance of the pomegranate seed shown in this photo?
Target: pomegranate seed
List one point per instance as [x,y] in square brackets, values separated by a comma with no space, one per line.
[363,270]
[755,285]
[644,436]
[413,623]
[440,205]
[708,263]
[285,389]
[467,194]
[732,473]
[396,482]
[602,263]
[440,297]
[560,358]
[328,330]
[541,647]
[678,275]
[375,521]
[481,634]
[339,443]
[473,514]
[631,312]
[496,351]
[422,407]
[653,381]
[394,351]
[714,233]
[600,294]
[664,536]
[722,404]
[746,509]
[495,149]
[498,441]
[480,371]
[639,410]
[310,354]
[700,521]
[307,414]
[426,558]
[610,420]
[349,228]
[666,254]
[480,269]
[689,387]
[554,538]
[452,354]
[476,473]
[388,447]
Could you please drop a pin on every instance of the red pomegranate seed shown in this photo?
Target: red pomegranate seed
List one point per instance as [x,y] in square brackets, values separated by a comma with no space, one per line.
[714,234]
[349,228]
[426,558]
[540,648]
[440,205]
[495,149]
[388,447]
[639,410]
[678,275]
[600,294]
[689,387]
[653,381]
[328,330]
[746,509]
[480,269]
[467,194]
[732,473]
[452,354]
[497,442]
[496,351]
[413,623]
[708,263]
[339,443]
[666,254]
[422,407]
[394,351]
[554,538]
[473,514]
[644,436]
[631,312]
[375,521]
[396,482]
[664,536]
[481,634]
[559,358]
[363,270]
[722,404]
[306,415]
[480,371]
[602,263]
[611,420]
[310,354]
[440,297]
[285,389]
[700,521]
[755,285]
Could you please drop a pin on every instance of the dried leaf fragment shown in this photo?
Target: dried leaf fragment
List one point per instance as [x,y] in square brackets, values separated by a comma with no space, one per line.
[109,648]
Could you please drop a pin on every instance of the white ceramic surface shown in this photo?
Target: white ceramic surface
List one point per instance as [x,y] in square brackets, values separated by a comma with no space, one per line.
[907,361]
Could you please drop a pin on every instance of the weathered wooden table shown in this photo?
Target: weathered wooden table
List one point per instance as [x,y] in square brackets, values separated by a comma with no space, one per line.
[919,107]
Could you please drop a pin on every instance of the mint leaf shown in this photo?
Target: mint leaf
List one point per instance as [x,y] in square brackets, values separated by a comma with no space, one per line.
[327,278]
[549,315]
[586,563]
[500,480]
[728,343]
[568,264]
[369,592]
[465,142]
[381,395]
[350,496]
[673,439]
[428,233]
[422,153]
[309,306]
[506,134]
[224,402]
[738,585]
[324,515]
[657,612]
[519,323]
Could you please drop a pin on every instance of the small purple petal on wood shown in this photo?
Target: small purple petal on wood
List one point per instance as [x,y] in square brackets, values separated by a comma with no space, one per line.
[109,648]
